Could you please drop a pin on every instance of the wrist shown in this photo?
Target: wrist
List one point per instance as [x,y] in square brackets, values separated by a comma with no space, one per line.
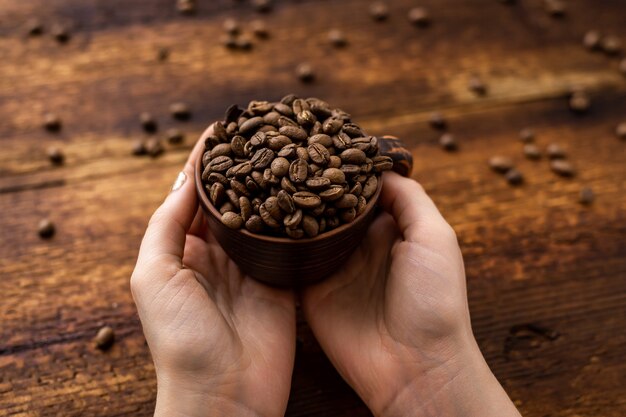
[464,386]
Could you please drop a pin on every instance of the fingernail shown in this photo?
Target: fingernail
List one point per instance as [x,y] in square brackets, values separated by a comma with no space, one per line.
[180,180]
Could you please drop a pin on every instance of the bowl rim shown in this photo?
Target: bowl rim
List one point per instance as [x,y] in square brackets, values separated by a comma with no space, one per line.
[210,208]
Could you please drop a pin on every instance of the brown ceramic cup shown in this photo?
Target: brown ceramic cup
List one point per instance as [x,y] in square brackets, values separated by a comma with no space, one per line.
[288,262]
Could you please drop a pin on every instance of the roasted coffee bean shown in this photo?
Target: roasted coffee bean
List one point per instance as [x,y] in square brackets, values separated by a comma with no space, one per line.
[259,108]
[294,133]
[332,126]
[337,38]
[239,188]
[272,206]
[285,202]
[330,211]
[318,154]
[352,130]
[341,141]
[305,73]
[556,8]
[250,125]
[531,151]
[283,109]
[245,208]
[611,45]
[276,143]
[214,177]
[220,164]
[256,203]
[299,105]
[271,118]
[262,6]
[288,151]
[210,142]
[334,162]
[419,16]
[174,136]
[298,171]
[437,120]
[258,177]
[382,163]
[46,229]
[334,192]
[322,139]
[579,102]
[262,158]
[361,205]
[154,147]
[527,135]
[237,146]
[232,220]
[306,119]
[317,211]
[353,156]
[592,40]
[187,7]
[56,155]
[356,189]
[501,164]
[367,167]
[586,196]
[255,224]
[477,86]
[350,170]
[379,11]
[332,222]
[180,111]
[270,178]
[318,183]
[335,175]
[139,148]
[341,115]
[286,121]
[322,223]
[448,142]
[148,123]
[562,167]
[226,207]
[514,177]
[52,122]
[217,194]
[347,216]
[306,200]
[60,33]
[252,186]
[289,99]
[620,131]
[232,114]
[258,139]
[293,219]
[370,187]
[310,226]
[220,131]
[295,233]
[104,338]
[267,217]
[223,149]
[555,151]
[232,197]
[280,167]
[287,185]
[347,201]
[34,27]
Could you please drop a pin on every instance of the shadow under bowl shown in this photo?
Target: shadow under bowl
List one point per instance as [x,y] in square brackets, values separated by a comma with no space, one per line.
[282,261]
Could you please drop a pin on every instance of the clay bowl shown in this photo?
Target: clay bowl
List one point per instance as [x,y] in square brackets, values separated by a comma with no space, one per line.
[286,262]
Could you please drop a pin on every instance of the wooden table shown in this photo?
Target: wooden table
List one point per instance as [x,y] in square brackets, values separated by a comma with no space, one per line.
[546,275]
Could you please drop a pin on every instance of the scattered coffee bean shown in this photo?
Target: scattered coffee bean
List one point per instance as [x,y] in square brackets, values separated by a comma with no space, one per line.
[34,27]
[186,7]
[244,43]
[527,135]
[477,86]
[56,156]
[437,121]
[555,151]
[175,136]
[419,16]
[620,131]
[579,102]
[180,111]
[586,196]
[501,164]
[104,338]
[46,229]
[337,38]
[556,8]
[148,123]
[154,147]
[52,122]
[231,26]
[562,167]
[163,54]
[448,142]
[379,11]
[611,45]
[262,6]
[232,220]
[139,148]
[592,40]
[259,28]
[60,33]
[531,151]
[305,73]
[514,177]
[229,41]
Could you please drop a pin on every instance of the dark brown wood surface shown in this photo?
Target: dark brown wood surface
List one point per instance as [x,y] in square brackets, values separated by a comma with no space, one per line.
[546,275]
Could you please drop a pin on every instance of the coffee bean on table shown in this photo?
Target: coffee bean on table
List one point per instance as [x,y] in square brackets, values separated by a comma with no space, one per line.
[477,86]
[154,147]
[579,102]
[34,27]
[337,38]
[448,142]
[175,136]
[531,151]
[60,33]
[56,155]
[437,120]
[379,11]
[262,6]
[139,148]
[305,73]
[419,16]
[620,131]
[163,54]
[586,196]
[52,122]
[231,26]
[244,43]
[104,338]
[45,229]
[527,135]
[592,40]
[611,45]
[186,7]
[501,164]
[180,111]
[259,28]
[562,167]
[556,8]
[555,151]
[514,177]
[148,123]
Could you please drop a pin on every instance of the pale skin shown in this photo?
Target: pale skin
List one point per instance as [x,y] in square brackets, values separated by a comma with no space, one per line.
[394,321]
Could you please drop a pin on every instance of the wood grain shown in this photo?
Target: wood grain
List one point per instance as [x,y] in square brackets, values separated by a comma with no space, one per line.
[545,274]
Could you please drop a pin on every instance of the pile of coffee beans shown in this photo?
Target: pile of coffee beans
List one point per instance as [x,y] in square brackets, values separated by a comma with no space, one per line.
[294,168]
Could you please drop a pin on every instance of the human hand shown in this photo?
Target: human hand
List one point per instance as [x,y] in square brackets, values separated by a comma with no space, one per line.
[395,320]
[222,343]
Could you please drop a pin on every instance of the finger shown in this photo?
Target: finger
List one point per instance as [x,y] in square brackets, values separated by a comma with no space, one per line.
[165,235]
[410,206]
